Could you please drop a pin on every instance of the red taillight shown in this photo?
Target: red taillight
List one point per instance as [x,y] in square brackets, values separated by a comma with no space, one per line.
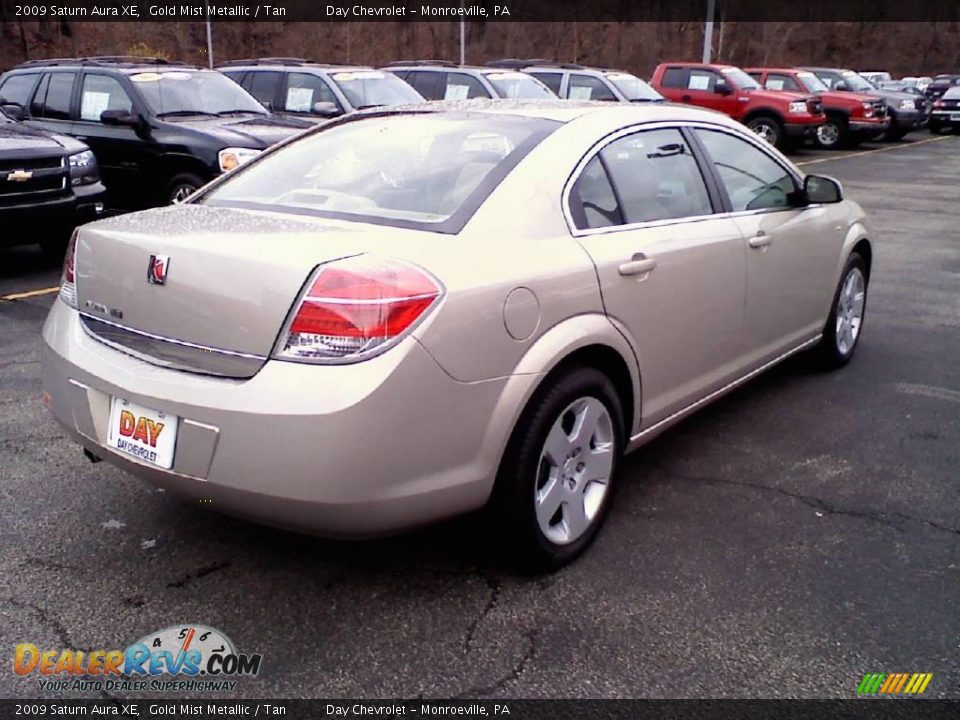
[356,306]
[938,103]
[68,280]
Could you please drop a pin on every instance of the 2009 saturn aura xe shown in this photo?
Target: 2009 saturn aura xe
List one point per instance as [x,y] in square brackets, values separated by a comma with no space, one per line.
[404,315]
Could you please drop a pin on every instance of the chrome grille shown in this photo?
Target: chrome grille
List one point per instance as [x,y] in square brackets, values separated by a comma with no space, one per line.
[23,180]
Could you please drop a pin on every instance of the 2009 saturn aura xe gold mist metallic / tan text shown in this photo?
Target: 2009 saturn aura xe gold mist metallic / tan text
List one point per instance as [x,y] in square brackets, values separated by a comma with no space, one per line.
[405,315]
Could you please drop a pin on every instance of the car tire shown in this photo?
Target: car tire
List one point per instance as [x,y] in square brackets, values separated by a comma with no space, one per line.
[843,328]
[833,134]
[893,132]
[556,479]
[768,128]
[934,129]
[182,186]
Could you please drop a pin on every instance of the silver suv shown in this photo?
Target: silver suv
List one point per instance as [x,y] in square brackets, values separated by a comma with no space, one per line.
[441,80]
[579,82]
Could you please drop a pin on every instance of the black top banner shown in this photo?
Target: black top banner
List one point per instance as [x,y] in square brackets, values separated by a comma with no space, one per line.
[480,10]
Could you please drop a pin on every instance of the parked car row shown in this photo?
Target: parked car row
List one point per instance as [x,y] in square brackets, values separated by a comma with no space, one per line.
[159,130]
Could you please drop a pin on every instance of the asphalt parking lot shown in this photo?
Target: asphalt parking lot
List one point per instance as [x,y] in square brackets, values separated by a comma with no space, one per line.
[787,540]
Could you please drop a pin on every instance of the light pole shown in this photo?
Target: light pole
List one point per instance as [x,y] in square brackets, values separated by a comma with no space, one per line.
[463,36]
[708,32]
[210,35]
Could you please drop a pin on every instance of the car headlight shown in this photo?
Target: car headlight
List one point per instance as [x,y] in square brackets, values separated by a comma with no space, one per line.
[908,105]
[83,168]
[800,106]
[230,158]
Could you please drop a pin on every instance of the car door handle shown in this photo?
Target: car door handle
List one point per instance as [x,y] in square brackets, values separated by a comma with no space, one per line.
[639,264]
[760,240]
[685,98]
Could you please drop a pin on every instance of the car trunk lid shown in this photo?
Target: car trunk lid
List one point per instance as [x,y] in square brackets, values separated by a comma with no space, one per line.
[204,289]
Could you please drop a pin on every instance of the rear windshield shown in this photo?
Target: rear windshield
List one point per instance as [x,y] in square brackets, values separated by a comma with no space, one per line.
[370,88]
[952,94]
[518,86]
[424,171]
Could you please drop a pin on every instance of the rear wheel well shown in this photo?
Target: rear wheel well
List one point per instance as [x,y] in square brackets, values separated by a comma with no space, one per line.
[864,250]
[608,361]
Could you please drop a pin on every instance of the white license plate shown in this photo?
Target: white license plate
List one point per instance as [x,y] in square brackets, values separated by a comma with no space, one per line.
[954,117]
[141,432]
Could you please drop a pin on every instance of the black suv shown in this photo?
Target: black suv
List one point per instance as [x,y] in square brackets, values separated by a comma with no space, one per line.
[159,129]
[580,82]
[49,184]
[441,80]
[294,87]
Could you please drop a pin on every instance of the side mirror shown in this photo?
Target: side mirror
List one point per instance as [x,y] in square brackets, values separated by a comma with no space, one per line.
[325,109]
[14,111]
[842,87]
[119,118]
[819,189]
[721,88]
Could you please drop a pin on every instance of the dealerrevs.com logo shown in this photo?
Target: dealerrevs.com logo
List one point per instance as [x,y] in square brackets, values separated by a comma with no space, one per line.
[177,658]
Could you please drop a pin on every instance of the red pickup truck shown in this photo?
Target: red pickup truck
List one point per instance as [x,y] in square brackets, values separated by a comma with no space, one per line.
[779,117]
[851,117]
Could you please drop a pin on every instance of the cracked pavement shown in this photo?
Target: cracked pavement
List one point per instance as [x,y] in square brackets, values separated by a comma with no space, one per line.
[783,542]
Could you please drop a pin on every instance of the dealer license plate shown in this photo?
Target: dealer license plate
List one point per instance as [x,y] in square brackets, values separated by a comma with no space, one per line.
[141,432]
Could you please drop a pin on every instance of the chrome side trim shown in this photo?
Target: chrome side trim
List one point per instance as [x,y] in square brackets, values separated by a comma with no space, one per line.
[693,407]
[171,353]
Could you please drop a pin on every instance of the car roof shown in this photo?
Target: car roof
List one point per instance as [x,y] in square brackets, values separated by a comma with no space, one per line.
[773,69]
[290,64]
[699,64]
[445,67]
[562,111]
[122,63]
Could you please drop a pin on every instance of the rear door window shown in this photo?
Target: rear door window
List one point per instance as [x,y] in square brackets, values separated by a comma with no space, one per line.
[53,96]
[550,79]
[16,89]
[674,77]
[263,86]
[644,177]
[428,83]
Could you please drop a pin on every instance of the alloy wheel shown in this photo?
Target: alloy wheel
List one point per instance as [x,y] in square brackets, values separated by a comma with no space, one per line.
[181,193]
[850,311]
[574,472]
[828,134]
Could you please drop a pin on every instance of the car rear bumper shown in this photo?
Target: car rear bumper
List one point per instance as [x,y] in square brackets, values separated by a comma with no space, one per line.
[344,451]
[23,222]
